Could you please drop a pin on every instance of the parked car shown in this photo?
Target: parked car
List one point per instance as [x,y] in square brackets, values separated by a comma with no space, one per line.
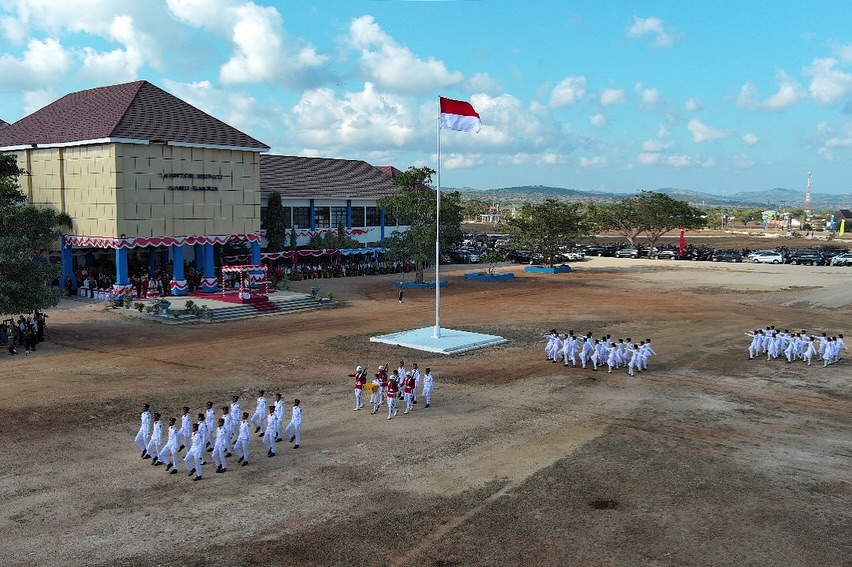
[599,249]
[727,256]
[666,254]
[844,259]
[806,256]
[627,253]
[767,257]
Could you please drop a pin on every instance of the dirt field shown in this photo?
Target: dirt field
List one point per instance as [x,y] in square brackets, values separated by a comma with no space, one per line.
[707,459]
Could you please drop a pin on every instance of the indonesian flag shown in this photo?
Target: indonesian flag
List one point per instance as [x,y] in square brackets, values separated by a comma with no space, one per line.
[458,115]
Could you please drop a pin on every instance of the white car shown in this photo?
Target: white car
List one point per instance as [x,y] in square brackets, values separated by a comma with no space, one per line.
[844,259]
[767,257]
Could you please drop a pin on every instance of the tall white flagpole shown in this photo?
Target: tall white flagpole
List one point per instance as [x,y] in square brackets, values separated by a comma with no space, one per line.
[437,333]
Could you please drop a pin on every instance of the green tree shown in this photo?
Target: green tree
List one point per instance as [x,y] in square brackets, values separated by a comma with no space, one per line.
[276,224]
[475,207]
[25,232]
[621,216]
[661,214]
[750,215]
[415,205]
[545,228]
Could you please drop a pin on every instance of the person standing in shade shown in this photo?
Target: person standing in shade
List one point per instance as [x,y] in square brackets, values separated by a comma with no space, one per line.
[259,412]
[193,456]
[241,447]
[144,434]
[168,454]
[401,292]
[294,428]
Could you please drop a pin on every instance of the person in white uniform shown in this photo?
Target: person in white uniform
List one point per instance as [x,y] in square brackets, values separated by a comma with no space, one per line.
[210,424]
[236,414]
[428,382]
[279,418]
[193,458]
[153,447]
[241,447]
[219,445]
[294,428]
[168,454]
[259,413]
[144,434]
[185,431]
[270,433]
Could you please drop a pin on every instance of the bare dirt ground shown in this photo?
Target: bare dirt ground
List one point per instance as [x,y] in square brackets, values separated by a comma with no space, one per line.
[707,459]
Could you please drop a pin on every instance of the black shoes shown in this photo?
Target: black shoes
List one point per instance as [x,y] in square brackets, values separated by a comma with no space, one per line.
[144,453]
[293,438]
[278,440]
[256,429]
[192,472]
[173,471]
[295,446]
[168,466]
[240,460]
[197,478]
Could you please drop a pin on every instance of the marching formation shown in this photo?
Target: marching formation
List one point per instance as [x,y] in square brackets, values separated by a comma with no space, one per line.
[221,436]
[775,344]
[593,352]
[400,383]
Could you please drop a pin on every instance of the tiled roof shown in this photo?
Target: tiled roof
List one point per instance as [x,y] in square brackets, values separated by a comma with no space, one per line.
[137,110]
[311,177]
[3,123]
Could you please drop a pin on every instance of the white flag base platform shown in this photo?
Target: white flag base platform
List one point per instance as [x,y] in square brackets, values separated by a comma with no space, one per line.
[451,341]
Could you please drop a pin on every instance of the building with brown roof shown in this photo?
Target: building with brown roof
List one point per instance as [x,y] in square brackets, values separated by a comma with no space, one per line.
[139,169]
[319,194]
[145,175]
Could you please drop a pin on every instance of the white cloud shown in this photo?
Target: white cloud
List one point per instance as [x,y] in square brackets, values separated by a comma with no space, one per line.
[593,162]
[682,161]
[38,99]
[242,111]
[649,158]
[692,105]
[366,119]
[42,63]
[597,119]
[118,64]
[649,97]
[750,139]
[483,83]
[655,146]
[789,93]
[703,133]
[663,132]
[654,26]
[610,97]
[828,84]
[393,66]
[569,91]
[461,161]
[742,161]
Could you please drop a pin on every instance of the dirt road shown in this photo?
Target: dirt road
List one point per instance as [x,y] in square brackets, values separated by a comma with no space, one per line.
[706,459]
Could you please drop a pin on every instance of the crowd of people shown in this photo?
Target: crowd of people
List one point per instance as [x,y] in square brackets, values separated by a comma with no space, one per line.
[27,332]
[229,432]
[389,386]
[791,347]
[591,352]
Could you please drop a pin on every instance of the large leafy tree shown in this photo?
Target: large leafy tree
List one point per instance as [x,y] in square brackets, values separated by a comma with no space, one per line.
[25,232]
[660,214]
[276,225]
[415,205]
[621,216]
[545,228]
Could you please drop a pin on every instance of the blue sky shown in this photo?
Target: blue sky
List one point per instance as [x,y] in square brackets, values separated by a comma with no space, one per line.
[720,97]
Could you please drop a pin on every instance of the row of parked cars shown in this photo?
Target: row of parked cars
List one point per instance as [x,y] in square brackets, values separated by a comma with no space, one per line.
[825,256]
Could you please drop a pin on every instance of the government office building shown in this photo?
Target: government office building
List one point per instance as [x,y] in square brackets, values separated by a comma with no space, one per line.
[142,172]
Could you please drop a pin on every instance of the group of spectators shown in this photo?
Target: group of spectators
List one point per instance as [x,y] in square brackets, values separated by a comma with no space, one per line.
[307,270]
[24,333]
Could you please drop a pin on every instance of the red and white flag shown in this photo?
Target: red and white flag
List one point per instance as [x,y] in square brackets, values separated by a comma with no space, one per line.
[458,115]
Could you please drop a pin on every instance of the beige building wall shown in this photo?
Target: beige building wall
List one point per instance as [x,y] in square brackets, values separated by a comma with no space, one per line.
[129,189]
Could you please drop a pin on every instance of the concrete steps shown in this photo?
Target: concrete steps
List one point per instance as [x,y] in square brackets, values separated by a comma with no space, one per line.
[248,311]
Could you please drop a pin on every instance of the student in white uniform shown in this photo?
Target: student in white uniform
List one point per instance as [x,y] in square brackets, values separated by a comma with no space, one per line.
[235,413]
[185,431]
[241,447]
[193,458]
[428,382]
[144,434]
[294,428]
[259,412]
[415,374]
[210,424]
[153,447]
[219,444]
[168,454]
[271,431]
[279,418]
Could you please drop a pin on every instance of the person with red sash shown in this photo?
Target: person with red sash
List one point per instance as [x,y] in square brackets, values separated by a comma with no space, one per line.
[393,390]
[408,391]
[360,376]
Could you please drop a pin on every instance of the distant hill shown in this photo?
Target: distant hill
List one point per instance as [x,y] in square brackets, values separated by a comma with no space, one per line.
[769,198]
